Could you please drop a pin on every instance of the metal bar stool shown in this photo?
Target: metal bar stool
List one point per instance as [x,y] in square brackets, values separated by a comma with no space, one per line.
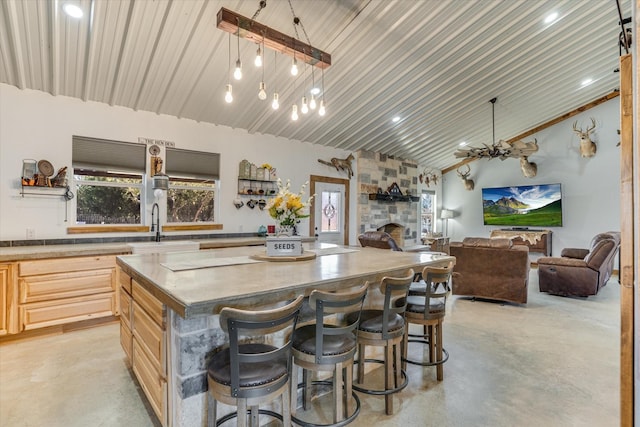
[247,374]
[426,305]
[385,327]
[329,346]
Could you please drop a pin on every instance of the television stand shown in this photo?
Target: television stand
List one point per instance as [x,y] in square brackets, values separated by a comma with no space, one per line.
[537,240]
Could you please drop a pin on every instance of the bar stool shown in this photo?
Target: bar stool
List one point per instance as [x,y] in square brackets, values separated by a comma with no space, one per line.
[426,305]
[249,374]
[329,346]
[385,328]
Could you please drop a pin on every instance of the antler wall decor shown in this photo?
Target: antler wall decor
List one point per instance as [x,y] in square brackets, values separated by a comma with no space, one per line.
[428,177]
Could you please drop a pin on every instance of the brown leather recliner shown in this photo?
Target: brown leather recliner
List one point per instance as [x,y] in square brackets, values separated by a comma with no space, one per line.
[580,272]
[378,239]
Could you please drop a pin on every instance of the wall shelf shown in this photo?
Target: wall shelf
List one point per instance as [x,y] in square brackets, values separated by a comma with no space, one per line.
[382,197]
[252,187]
[33,190]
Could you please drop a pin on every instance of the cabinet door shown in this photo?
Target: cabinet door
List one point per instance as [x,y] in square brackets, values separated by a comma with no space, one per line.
[5,275]
[153,384]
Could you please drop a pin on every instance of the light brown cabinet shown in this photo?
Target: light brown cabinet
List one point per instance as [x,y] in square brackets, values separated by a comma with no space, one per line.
[5,282]
[143,338]
[64,290]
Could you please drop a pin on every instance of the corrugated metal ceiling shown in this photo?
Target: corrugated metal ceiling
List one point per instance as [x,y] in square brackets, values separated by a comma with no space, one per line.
[433,63]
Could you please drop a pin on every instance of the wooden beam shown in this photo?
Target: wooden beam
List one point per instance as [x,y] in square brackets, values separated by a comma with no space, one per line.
[627,257]
[254,31]
[581,109]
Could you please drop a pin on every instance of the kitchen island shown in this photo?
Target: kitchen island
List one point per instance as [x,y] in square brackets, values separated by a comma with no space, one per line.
[175,299]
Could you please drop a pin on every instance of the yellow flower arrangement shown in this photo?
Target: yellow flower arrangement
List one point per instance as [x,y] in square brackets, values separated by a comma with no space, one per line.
[287,207]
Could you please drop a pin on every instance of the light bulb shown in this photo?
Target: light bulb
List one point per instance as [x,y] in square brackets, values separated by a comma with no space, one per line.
[228,96]
[258,60]
[321,110]
[294,112]
[275,104]
[312,103]
[294,67]
[262,94]
[237,74]
[157,193]
[305,106]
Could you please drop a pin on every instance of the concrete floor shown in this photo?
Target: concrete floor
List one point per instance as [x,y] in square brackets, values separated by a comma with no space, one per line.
[553,362]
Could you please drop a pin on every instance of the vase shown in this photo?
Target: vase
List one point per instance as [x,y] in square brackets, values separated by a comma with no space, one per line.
[284,230]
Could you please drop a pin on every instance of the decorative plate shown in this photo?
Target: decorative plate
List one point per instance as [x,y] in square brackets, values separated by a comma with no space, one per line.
[45,167]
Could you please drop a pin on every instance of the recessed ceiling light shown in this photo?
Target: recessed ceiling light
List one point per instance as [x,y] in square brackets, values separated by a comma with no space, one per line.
[315,90]
[586,82]
[72,10]
[396,119]
[551,17]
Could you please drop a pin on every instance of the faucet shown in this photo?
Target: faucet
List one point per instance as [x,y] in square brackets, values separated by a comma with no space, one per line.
[155,220]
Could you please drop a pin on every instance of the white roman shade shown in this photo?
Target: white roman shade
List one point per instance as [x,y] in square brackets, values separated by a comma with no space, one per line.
[102,154]
[192,164]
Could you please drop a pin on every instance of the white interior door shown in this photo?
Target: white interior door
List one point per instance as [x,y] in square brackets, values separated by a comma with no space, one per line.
[329,212]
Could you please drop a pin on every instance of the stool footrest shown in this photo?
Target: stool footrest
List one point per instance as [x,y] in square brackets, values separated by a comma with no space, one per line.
[437,362]
[227,417]
[341,423]
[382,392]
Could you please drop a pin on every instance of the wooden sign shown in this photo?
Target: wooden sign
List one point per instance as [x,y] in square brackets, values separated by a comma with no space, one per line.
[284,246]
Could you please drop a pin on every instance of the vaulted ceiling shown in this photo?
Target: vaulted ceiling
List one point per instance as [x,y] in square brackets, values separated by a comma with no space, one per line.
[434,64]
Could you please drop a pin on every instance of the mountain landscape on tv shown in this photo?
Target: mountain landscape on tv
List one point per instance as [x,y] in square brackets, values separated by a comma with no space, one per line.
[523,206]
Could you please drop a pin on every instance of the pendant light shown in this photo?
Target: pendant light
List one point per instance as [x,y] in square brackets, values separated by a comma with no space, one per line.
[294,109]
[322,111]
[237,74]
[304,107]
[258,61]
[294,65]
[262,93]
[275,104]
[228,95]
[312,103]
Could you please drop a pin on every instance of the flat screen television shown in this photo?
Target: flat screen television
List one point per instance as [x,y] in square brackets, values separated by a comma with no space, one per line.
[523,206]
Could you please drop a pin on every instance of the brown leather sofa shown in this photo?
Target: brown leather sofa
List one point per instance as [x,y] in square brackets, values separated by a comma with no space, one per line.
[490,268]
[378,239]
[580,272]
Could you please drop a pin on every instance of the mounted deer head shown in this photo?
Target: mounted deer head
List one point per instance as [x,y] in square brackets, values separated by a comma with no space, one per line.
[468,183]
[529,169]
[587,146]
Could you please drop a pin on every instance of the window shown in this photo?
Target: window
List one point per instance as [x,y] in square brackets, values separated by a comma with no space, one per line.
[330,206]
[427,213]
[193,177]
[108,176]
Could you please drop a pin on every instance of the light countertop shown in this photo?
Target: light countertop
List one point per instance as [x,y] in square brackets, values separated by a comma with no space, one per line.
[196,291]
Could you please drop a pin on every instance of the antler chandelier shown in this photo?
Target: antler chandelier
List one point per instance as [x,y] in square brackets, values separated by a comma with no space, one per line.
[502,149]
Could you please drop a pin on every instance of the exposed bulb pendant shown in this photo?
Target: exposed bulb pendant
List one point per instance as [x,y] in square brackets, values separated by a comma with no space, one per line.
[275,104]
[237,73]
[321,110]
[294,66]
[228,96]
[294,112]
[305,106]
[258,60]
[312,103]
[262,93]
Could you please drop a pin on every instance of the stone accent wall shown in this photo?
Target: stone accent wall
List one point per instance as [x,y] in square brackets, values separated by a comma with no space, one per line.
[375,171]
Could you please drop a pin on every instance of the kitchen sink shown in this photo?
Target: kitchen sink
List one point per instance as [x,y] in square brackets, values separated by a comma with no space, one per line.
[163,247]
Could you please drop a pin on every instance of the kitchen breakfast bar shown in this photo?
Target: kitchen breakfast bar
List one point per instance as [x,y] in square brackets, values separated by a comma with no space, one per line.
[170,303]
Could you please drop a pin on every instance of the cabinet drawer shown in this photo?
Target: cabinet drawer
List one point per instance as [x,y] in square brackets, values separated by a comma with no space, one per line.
[55,286]
[126,340]
[149,335]
[41,314]
[63,265]
[125,308]
[153,384]
[125,280]
[152,306]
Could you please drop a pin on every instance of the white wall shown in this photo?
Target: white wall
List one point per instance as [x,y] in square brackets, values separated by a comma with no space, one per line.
[36,125]
[590,186]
